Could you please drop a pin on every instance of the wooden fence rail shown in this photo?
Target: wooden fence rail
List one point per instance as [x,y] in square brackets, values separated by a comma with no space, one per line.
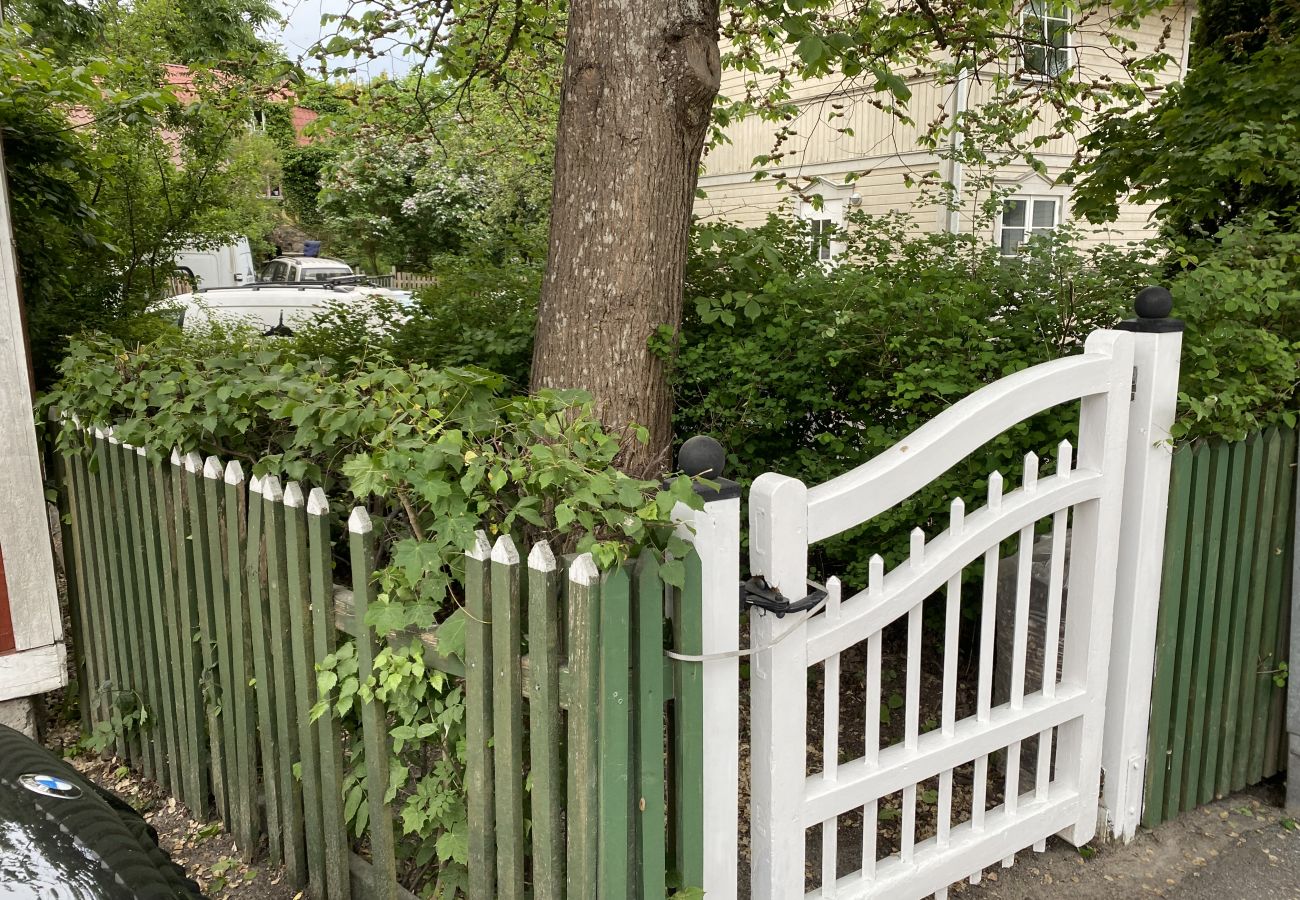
[205,602]
[1217,712]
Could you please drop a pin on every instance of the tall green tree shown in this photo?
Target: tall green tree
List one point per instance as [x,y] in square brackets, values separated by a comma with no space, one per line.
[1222,146]
[112,165]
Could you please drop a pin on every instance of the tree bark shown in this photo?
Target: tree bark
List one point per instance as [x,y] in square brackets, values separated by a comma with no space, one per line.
[639,81]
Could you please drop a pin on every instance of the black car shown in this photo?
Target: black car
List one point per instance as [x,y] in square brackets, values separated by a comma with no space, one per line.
[64,838]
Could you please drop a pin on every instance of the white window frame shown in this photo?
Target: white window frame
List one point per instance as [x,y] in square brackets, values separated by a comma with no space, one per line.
[819,226]
[1058,204]
[1189,27]
[832,213]
[1045,16]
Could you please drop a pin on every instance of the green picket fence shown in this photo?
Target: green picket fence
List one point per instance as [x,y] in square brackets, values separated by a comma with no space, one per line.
[1217,710]
[206,604]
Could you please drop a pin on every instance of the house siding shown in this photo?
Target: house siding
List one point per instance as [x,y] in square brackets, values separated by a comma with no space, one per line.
[883,151]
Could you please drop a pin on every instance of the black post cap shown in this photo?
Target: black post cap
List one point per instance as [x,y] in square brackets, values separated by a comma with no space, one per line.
[1154,302]
[703,457]
[1153,305]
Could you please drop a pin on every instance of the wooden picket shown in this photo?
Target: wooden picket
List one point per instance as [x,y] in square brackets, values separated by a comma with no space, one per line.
[213,601]
[1216,715]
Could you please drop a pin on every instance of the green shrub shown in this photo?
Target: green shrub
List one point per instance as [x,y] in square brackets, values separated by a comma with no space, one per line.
[1239,292]
[811,371]
[481,312]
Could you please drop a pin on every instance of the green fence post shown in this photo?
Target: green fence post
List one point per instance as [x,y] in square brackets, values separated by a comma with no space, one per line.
[206,589]
[338,886]
[478,719]
[114,615]
[649,617]
[284,679]
[688,691]
[195,777]
[507,718]
[584,642]
[268,741]
[374,722]
[161,475]
[615,715]
[544,724]
[304,695]
[239,705]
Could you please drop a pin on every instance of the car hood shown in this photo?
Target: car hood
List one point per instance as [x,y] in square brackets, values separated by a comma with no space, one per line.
[61,839]
[39,861]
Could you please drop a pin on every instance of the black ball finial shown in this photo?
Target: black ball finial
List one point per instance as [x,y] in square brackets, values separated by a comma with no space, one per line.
[1154,302]
[702,456]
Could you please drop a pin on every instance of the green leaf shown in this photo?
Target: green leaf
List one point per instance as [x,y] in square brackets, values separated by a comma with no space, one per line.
[451,634]
[673,572]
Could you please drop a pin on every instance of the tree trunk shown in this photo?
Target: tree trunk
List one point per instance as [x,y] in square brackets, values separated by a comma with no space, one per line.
[639,81]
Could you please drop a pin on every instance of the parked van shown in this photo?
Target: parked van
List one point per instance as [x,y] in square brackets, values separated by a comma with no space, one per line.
[274,308]
[230,265]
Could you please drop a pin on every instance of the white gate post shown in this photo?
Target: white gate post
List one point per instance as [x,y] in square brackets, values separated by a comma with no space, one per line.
[716,536]
[1157,346]
[778,689]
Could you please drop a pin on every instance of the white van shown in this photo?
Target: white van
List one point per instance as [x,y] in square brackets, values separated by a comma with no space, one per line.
[230,265]
[273,308]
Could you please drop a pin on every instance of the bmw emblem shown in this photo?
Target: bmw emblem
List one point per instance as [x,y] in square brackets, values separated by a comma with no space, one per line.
[50,786]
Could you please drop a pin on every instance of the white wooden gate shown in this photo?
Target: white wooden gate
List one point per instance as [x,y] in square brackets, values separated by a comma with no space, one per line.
[1085,490]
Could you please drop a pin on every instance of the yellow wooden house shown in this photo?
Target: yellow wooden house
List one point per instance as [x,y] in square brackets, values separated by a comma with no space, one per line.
[863,159]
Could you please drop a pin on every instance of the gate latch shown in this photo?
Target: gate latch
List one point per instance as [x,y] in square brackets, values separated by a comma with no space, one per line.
[757,592]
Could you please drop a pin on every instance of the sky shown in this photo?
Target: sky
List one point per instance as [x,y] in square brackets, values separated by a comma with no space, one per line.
[302,28]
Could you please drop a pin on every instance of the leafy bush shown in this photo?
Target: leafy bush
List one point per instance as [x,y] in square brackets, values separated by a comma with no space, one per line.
[434,455]
[479,313]
[1240,294]
[811,371]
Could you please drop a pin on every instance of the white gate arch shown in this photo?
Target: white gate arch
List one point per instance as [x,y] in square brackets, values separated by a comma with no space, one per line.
[786,517]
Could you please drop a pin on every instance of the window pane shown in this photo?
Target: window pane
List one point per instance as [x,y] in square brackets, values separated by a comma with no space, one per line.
[1058,33]
[1058,61]
[1013,213]
[1044,213]
[1012,238]
[1036,60]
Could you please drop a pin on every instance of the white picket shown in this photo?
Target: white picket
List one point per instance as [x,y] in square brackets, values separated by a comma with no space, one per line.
[984,700]
[871,752]
[831,740]
[948,714]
